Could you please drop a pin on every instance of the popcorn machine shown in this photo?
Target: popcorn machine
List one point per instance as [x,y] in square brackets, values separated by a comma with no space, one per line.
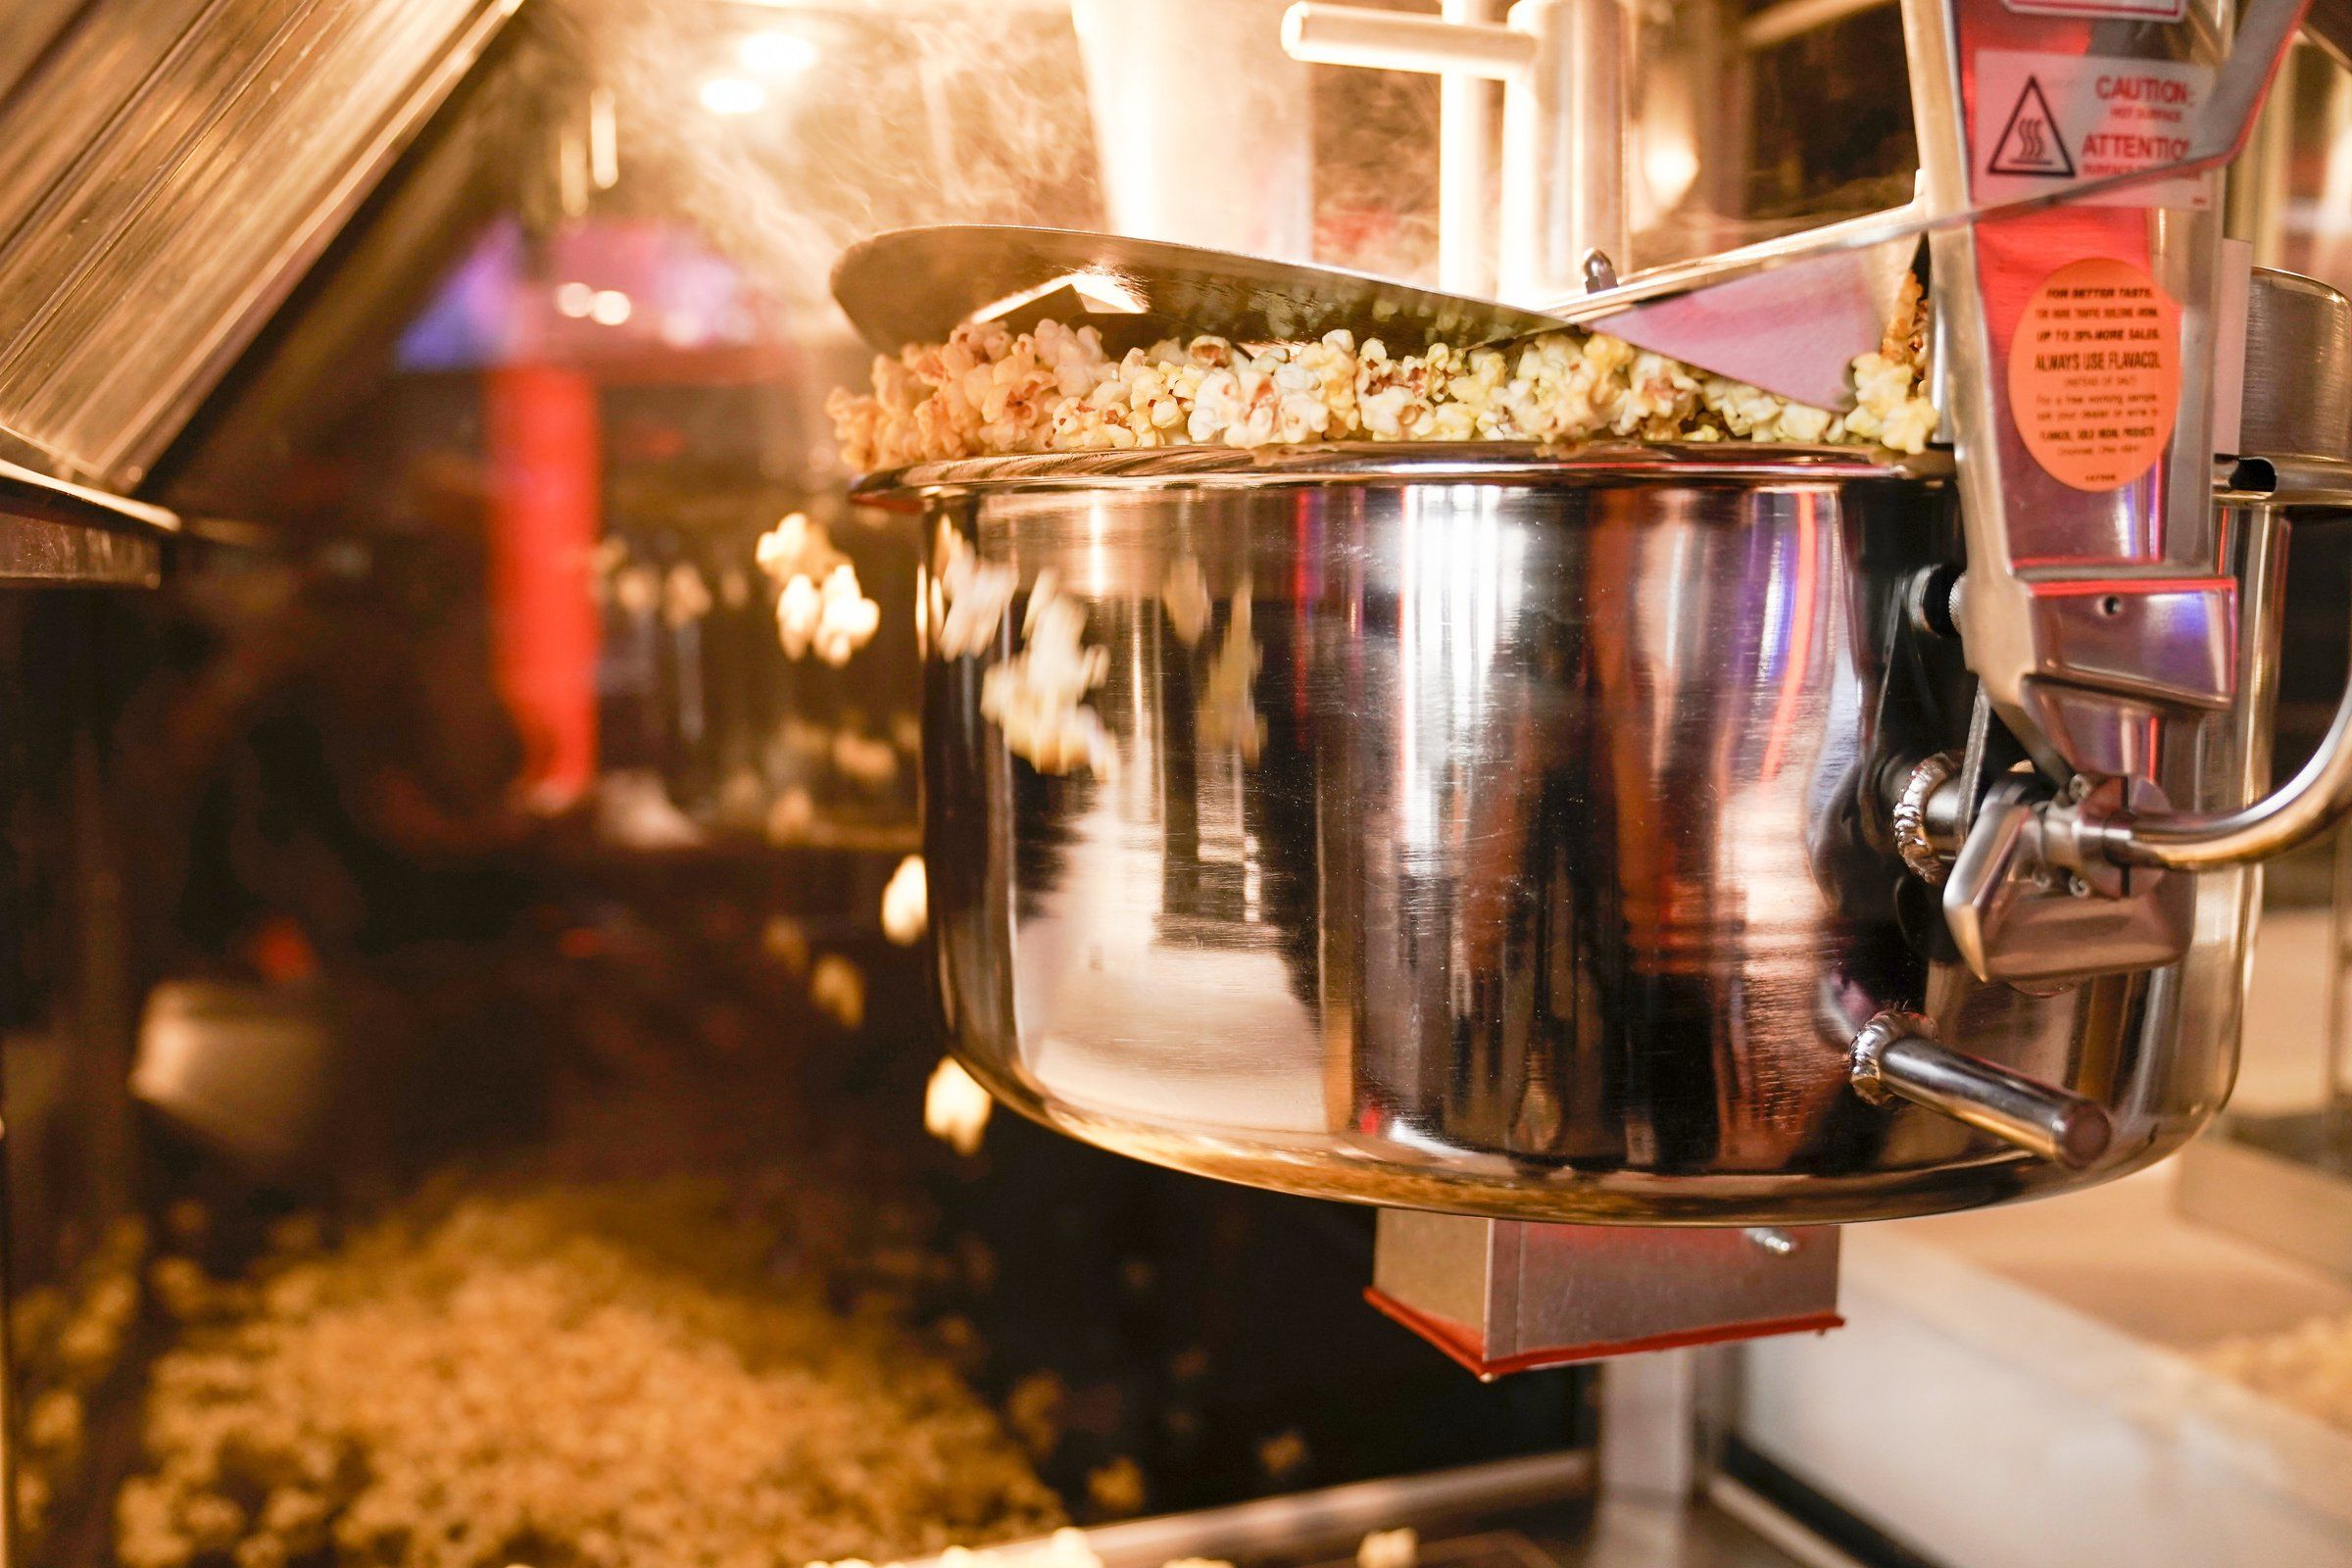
[1691,837]
[1475,709]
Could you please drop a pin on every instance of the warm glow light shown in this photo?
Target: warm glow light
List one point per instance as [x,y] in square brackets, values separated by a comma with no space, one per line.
[1671,165]
[776,53]
[610,306]
[575,300]
[733,95]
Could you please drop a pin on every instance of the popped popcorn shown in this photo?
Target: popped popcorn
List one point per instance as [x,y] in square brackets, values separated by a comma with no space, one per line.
[956,1108]
[989,390]
[821,607]
[535,1376]
[685,597]
[2308,1368]
[1116,1489]
[906,902]
[1389,1548]
[838,988]
[1185,593]
[1037,697]
[972,596]
[1228,714]
[833,622]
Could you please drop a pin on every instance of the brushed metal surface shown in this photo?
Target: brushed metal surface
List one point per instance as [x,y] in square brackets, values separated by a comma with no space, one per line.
[915,285]
[2298,378]
[1508,1294]
[1559,881]
[54,532]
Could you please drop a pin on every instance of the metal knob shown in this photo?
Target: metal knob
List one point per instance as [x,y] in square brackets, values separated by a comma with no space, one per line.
[1897,1054]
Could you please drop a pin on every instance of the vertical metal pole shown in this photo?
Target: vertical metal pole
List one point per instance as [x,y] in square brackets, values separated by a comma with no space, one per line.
[2257,183]
[2338,1102]
[1650,1463]
[1564,148]
[1465,134]
[1649,1425]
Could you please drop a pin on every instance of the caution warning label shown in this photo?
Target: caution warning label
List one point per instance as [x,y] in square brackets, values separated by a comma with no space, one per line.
[2094,373]
[2043,119]
[2030,143]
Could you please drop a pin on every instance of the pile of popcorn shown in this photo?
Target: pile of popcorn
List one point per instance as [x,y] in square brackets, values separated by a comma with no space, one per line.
[2308,1368]
[601,1377]
[67,1341]
[990,390]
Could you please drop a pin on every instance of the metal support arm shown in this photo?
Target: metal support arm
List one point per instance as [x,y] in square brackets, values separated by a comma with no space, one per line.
[2297,812]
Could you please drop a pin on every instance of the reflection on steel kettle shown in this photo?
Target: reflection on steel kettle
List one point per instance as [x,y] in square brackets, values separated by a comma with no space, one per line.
[1562,881]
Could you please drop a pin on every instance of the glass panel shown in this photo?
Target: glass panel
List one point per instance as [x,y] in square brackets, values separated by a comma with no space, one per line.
[518,1096]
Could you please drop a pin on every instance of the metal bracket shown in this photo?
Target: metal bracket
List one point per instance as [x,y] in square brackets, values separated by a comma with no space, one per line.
[2021,910]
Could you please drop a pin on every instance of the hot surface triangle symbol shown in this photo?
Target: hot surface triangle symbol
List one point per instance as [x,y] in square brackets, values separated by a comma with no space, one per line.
[2030,143]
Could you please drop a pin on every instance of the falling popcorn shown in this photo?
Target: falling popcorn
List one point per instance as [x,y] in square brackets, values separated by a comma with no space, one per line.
[1185,593]
[794,548]
[972,596]
[1116,1489]
[838,988]
[1036,698]
[906,902]
[821,607]
[1389,1548]
[1229,718]
[637,590]
[833,622]
[866,759]
[685,597]
[956,1108]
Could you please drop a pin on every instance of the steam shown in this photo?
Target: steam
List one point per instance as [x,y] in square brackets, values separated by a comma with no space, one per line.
[785,132]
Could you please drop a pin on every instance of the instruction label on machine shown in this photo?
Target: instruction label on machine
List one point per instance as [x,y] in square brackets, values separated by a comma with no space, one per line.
[2044,119]
[2094,373]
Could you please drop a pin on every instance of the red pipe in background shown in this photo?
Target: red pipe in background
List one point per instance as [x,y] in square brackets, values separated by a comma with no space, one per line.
[540,430]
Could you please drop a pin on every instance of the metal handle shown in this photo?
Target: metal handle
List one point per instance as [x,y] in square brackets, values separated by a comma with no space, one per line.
[1897,1053]
[1392,40]
[2298,811]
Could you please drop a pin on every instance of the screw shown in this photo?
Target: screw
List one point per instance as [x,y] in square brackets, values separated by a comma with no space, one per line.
[1778,1243]
[2079,787]
[2078,887]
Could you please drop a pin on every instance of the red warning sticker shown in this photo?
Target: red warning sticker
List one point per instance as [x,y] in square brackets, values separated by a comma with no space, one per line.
[2094,373]
[2043,119]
